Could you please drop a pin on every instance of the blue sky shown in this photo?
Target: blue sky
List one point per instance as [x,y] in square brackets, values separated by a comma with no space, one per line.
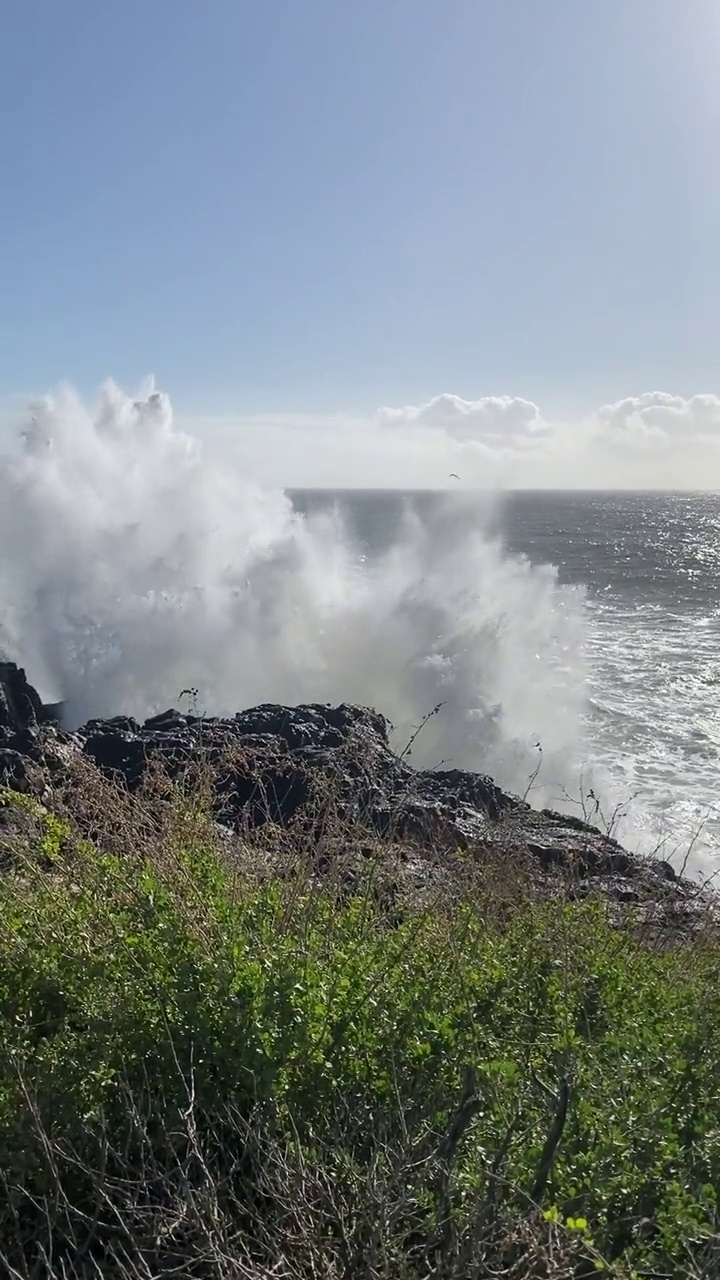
[299,207]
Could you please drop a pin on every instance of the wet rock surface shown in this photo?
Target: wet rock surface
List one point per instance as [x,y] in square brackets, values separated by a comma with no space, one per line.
[288,764]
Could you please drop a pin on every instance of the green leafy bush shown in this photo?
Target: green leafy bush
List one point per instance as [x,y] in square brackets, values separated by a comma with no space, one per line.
[207,1072]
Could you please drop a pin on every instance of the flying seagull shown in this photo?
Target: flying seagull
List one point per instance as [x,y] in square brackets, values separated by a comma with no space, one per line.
[454,475]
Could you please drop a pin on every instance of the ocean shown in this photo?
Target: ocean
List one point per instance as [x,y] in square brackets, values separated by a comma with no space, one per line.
[565,643]
[646,571]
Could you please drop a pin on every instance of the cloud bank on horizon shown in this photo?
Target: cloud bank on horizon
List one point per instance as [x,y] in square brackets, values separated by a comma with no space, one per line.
[654,440]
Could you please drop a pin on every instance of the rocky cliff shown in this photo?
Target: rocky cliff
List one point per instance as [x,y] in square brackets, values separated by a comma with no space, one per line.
[282,764]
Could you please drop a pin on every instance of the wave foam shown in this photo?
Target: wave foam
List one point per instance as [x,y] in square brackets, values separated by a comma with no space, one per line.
[132,568]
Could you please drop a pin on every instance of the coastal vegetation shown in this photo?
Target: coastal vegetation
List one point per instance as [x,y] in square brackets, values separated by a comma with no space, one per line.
[299,1052]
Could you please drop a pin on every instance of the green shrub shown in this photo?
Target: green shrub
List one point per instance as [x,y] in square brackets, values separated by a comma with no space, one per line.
[168,1030]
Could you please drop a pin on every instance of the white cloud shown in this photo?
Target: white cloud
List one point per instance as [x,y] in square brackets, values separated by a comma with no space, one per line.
[496,421]
[655,440]
[658,419]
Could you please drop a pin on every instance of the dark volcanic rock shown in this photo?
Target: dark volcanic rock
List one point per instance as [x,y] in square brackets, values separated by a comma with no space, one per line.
[20,704]
[120,754]
[13,770]
[285,764]
[21,707]
[315,725]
